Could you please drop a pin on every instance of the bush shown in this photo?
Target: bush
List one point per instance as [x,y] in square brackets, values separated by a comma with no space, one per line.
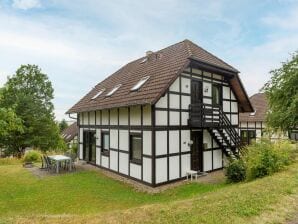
[236,171]
[74,148]
[32,156]
[265,158]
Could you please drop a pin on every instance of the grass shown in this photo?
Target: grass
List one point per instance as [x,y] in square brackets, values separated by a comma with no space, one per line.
[91,197]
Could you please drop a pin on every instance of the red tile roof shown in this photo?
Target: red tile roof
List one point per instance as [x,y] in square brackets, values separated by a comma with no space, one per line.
[163,67]
[260,105]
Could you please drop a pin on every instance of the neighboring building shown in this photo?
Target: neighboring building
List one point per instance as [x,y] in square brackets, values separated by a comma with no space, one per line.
[70,134]
[253,125]
[161,115]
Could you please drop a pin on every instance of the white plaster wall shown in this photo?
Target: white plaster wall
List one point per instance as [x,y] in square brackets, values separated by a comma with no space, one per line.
[174,141]
[185,164]
[185,101]
[81,118]
[226,92]
[123,116]
[234,106]
[207,139]
[174,118]
[207,101]
[147,115]
[174,101]
[251,124]
[174,167]
[161,118]
[217,159]
[113,160]
[114,138]
[258,133]
[162,102]
[147,142]
[147,170]
[123,140]
[207,91]
[98,117]
[105,161]
[81,134]
[105,117]
[185,85]
[161,142]
[85,118]
[92,118]
[184,118]
[233,96]
[123,163]
[226,106]
[161,170]
[243,124]
[175,85]
[135,115]
[81,151]
[97,156]
[196,71]
[114,117]
[185,139]
[217,76]
[98,138]
[234,119]
[207,164]
[135,171]
[258,124]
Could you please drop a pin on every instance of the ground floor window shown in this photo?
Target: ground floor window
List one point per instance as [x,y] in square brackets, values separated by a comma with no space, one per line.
[247,136]
[105,142]
[135,140]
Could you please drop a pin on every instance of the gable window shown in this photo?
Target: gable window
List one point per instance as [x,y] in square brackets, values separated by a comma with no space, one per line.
[113,90]
[98,94]
[105,142]
[216,95]
[140,83]
[135,142]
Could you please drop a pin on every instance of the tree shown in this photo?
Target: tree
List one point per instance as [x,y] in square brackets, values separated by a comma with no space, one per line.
[30,93]
[282,94]
[63,125]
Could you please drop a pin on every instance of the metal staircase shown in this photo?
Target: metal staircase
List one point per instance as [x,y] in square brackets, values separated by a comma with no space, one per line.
[218,125]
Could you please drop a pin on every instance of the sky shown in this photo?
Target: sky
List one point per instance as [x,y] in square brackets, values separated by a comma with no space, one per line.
[78,43]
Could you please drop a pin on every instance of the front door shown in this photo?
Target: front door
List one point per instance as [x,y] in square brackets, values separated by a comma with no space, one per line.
[196,102]
[89,146]
[197,151]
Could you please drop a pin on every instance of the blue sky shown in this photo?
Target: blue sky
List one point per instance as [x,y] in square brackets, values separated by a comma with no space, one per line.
[80,42]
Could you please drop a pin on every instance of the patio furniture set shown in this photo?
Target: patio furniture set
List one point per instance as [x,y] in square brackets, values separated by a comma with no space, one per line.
[55,163]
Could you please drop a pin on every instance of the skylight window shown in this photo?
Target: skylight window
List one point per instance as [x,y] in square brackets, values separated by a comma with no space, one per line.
[140,83]
[113,90]
[253,113]
[98,94]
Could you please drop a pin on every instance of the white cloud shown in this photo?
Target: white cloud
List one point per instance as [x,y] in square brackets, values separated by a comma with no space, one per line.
[26,4]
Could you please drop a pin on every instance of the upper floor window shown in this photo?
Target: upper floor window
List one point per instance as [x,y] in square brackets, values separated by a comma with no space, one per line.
[140,83]
[113,90]
[98,94]
[216,95]
[135,141]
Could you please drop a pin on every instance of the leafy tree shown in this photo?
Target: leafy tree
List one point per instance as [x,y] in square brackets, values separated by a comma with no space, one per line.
[63,125]
[30,93]
[282,94]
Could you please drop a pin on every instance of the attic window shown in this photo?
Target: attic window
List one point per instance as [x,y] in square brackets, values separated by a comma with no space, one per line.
[113,90]
[140,83]
[98,94]
[252,113]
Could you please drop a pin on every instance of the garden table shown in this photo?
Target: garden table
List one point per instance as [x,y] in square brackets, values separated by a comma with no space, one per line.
[60,158]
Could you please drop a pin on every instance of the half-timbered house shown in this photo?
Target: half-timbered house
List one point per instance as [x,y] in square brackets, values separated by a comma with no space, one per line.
[173,110]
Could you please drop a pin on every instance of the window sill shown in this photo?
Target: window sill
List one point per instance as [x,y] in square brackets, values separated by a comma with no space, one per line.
[105,153]
[136,161]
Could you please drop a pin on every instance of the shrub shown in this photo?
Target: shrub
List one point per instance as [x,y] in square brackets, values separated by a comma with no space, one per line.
[264,158]
[74,148]
[32,156]
[236,171]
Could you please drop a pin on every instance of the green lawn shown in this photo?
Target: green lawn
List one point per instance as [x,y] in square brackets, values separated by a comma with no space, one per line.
[88,196]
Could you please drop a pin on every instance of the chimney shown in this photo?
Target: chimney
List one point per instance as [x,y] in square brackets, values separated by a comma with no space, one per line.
[148,53]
